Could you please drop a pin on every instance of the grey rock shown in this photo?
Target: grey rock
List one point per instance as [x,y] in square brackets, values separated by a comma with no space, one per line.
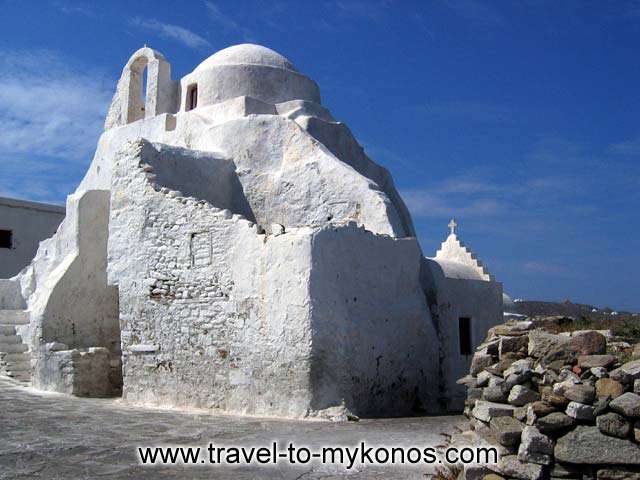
[535,447]
[467,381]
[520,414]
[636,386]
[627,404]
[598,372]
[506,430]
[517,379]
[566,470]
[513,344]
[594,361]
[524,365]
[485,411]
[619,473]
[580,411]
[521,395]
[479,362]
[613,425]
[473,394]
[495,394]
[581,393]
[484,377]
[510,466]
[627,373]
[588,446]
[541,342]
[554,423]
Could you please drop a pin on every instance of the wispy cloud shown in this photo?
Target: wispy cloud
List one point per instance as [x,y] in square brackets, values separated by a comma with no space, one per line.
[50,129]
[427,203]
[73,8]
[60,113]
[628,147]
[174,32]
[227,21]
[478,12]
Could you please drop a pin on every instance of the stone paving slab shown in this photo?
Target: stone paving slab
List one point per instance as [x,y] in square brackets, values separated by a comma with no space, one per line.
[54,436]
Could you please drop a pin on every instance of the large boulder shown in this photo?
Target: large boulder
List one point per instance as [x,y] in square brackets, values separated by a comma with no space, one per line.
[479,362]
[580,393]
[588,446]
[594,361]
[535,447]
[554,422]
[608,387]
[506,430]
[580,411]
[588,343]
[626,404]
[510,466]
[485,411]
[613,425]
[627,373]
[541,342]
[521,395]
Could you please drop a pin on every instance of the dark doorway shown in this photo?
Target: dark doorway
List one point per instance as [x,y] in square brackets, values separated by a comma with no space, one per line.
[6,239]
[464,334]
[192,97]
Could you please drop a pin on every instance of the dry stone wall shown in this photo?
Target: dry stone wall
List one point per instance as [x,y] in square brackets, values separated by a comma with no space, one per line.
[561,405]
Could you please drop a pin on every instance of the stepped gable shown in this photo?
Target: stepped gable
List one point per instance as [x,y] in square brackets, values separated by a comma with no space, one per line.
[458,261]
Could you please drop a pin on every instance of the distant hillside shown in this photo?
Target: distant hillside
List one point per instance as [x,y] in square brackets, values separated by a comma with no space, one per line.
[532,308]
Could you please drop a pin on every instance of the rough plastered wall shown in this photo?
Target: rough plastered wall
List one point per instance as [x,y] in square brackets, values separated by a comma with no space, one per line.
[479,300]
[374,343]
[213,314]
[70,302]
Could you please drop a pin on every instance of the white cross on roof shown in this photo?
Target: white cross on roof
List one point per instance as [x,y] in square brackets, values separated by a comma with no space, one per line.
[452,225]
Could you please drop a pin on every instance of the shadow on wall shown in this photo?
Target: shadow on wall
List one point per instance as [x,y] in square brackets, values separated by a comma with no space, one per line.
[374,345]
[201,175]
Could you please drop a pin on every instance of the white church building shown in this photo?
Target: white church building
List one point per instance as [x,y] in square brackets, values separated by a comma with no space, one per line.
[233,248]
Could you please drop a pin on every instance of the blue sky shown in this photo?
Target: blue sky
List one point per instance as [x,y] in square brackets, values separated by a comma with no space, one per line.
[521,119]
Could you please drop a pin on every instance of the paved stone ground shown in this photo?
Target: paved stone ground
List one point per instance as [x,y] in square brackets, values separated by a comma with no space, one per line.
[54,436]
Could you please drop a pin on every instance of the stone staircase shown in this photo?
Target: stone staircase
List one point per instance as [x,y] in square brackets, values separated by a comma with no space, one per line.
[15,360]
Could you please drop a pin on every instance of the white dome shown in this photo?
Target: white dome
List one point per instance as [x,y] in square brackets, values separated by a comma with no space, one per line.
[246,54]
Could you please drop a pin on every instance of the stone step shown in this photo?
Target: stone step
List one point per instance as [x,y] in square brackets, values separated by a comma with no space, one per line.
[18,367]
[15,357]
[7,330]
[14,317]
[12,347]
[9,339]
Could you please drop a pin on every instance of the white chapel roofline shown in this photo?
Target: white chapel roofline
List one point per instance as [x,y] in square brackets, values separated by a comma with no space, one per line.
[454,250]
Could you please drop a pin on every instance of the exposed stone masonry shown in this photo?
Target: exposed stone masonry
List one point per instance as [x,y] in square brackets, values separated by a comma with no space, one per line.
[555,405]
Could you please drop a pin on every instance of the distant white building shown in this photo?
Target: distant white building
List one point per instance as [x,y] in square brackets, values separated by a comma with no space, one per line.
[466,301]
[23,225]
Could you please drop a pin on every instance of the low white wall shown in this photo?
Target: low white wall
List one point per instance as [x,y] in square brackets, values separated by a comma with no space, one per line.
[479,300]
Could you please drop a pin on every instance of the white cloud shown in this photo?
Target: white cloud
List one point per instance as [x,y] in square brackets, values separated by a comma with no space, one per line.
[48,107]
[226,21]
[431,203]
[173,32]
